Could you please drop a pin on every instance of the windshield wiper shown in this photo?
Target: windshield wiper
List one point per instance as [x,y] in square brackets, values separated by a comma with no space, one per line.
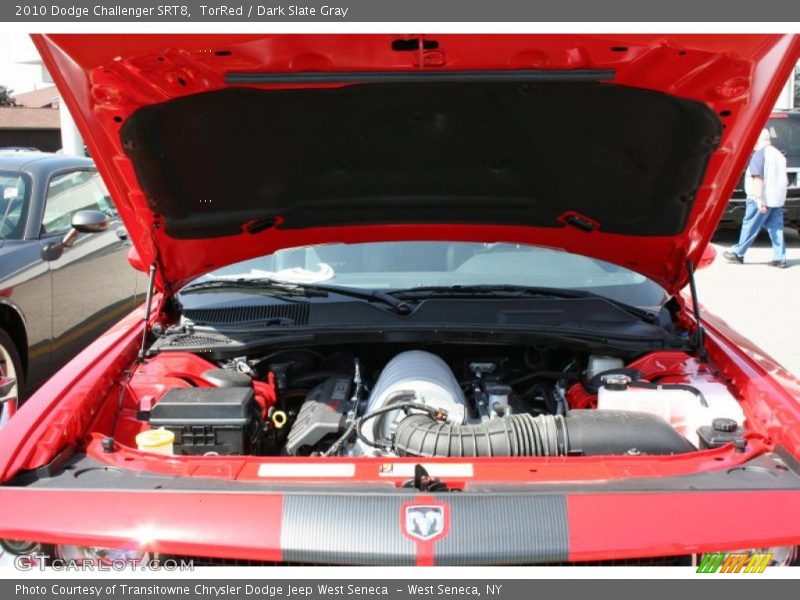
[489,289]
[248,285]
[509,290]
[266,284]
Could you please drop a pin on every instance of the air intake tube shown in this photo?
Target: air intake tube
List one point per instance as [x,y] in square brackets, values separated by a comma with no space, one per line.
[580,432]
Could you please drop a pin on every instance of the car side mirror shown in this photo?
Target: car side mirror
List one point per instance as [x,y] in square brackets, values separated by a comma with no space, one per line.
[89,221]
[85,221]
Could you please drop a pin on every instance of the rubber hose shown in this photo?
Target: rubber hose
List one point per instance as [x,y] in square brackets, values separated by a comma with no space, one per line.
[580,432]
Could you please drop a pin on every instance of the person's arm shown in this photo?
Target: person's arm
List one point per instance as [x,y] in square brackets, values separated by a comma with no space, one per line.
[758,192]
[756,169]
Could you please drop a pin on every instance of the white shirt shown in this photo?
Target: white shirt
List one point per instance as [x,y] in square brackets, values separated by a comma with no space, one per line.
[769,163]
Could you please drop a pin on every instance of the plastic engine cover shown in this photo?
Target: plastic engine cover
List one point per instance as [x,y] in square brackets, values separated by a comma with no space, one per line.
[323,413]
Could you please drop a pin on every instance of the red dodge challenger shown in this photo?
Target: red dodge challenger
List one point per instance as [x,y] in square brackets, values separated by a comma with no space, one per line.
[413,300]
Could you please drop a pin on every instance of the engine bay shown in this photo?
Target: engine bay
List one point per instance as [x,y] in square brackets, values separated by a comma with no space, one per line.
[425,400]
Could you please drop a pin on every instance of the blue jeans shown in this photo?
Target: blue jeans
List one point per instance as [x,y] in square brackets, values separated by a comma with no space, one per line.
[772,221]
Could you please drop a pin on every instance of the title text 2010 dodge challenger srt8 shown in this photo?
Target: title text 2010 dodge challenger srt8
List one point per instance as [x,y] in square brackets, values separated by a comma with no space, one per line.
[418,300]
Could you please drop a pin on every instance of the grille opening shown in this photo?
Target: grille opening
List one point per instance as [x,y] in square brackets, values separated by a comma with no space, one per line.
[197,340]
[270,314]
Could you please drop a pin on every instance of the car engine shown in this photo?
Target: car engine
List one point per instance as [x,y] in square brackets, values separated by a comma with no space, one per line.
[437,401]
[418,408]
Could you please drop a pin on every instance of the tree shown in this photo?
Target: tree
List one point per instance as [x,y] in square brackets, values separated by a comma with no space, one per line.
[5,97]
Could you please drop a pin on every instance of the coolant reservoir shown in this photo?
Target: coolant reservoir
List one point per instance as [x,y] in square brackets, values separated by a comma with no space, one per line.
[684,409]
[599,364]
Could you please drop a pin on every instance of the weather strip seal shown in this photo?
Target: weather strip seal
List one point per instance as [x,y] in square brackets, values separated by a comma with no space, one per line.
[421,76]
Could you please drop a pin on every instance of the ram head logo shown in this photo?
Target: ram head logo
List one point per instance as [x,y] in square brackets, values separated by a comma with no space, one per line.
[424,522]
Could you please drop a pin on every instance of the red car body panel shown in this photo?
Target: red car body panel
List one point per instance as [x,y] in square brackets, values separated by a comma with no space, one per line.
[62,408]
[740,74]
[629,523]
[601,526]
[105,78]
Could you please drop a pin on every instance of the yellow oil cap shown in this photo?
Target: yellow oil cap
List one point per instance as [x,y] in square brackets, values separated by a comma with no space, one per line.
[279,419]
[155,440]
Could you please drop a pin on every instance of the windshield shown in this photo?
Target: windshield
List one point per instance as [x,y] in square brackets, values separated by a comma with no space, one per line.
[405,265]
[13,204]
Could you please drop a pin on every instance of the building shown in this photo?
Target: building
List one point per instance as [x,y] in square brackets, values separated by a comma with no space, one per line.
[46,97]
[34,123]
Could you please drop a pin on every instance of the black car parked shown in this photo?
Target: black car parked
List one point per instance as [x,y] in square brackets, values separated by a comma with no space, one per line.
[784,126]
[64,274]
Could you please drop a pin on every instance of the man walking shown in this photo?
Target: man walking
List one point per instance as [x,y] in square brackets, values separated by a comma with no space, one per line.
[765,184]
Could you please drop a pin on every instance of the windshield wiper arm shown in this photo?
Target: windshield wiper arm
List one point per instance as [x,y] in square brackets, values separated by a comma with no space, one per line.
[308,289]
[396,304]
[257,285]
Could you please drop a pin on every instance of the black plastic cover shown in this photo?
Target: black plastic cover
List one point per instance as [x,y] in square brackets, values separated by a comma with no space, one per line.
[712,437]
[209,420]
[599,432]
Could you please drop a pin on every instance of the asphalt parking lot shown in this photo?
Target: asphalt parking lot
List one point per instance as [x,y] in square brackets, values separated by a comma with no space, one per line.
[758,300]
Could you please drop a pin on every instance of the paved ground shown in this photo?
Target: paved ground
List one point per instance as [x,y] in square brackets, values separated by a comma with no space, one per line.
[758,300]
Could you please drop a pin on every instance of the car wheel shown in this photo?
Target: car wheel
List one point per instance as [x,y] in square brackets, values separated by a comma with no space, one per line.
[10,377]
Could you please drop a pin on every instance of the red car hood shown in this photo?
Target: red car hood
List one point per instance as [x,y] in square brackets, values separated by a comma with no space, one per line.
[219,148]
